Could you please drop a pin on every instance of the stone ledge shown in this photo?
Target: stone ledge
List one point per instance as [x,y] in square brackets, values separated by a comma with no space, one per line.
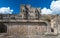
[51,34]
[22,21]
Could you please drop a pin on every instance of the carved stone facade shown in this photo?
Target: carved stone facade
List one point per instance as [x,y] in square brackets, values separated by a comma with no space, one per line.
[30,23]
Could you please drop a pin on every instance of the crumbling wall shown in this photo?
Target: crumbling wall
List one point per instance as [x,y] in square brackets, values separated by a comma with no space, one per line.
[26,29]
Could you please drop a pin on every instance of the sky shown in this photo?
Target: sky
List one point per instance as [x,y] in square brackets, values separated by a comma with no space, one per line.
[13,6]
[37,3]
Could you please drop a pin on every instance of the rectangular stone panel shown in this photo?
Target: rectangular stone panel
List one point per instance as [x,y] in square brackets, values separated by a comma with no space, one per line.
[27,29]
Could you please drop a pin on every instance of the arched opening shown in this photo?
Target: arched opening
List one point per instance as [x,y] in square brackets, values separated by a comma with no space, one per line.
[3,28]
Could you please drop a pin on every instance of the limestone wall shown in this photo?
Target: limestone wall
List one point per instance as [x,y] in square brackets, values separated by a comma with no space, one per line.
[29,30]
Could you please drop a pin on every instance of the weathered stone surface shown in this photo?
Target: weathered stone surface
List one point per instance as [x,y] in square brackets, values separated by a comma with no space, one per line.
[30,24]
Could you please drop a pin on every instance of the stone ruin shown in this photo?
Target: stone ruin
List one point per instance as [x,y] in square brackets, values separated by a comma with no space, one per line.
[30,23]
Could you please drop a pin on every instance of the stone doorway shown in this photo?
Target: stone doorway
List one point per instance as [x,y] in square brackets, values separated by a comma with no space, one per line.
[3,28]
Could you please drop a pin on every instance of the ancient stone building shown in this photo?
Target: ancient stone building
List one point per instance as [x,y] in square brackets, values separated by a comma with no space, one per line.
[30,23]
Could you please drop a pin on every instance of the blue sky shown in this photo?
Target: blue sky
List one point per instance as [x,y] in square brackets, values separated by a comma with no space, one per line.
[37,3]
[15,4]
[45,5]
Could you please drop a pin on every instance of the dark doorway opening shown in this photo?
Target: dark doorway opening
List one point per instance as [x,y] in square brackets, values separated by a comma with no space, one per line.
[3,28]
[52,30]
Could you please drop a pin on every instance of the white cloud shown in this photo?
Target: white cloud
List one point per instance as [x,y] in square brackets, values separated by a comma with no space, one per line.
[46,11]
[54,8]
[5,10]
